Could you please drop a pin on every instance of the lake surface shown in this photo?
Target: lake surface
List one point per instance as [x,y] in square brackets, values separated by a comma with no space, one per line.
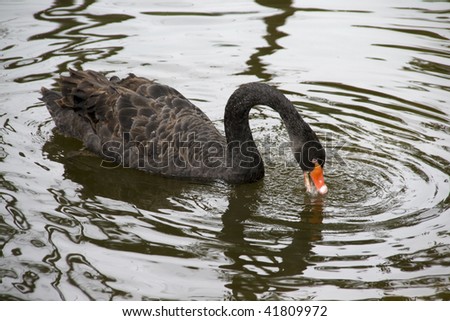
[372,79]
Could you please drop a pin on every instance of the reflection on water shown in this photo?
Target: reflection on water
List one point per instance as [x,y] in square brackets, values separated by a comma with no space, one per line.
[254,267]
[273,22]
[372,79]
[74,36]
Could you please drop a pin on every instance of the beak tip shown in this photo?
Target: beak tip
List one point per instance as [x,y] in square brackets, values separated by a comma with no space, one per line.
[323,190]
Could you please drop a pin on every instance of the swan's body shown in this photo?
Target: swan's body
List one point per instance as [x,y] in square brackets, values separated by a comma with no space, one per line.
[138,123]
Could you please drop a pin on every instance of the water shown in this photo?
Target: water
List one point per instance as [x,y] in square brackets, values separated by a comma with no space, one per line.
[371,78]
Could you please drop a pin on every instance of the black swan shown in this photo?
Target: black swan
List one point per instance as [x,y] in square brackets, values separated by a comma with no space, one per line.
[135,122]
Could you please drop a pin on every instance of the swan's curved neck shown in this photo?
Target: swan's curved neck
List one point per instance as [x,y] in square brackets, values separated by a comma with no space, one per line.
[242,154]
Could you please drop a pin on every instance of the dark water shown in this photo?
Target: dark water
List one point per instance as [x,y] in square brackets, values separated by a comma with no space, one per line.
[372,78]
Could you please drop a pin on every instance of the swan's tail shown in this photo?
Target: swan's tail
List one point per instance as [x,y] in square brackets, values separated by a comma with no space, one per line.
[74,110]
[50,98]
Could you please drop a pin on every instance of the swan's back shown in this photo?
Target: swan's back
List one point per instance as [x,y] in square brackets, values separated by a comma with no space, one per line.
[135,122]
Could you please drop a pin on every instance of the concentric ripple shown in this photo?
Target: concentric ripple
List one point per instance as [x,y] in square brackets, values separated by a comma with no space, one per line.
[380,168]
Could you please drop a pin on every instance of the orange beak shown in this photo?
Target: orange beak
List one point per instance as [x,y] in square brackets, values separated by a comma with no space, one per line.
[318,180]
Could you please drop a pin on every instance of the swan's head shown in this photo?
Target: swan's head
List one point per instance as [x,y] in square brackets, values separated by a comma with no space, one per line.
[311,158]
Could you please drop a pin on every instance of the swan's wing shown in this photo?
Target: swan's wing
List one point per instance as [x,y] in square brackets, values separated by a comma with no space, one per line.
[135,119]
[164,132]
